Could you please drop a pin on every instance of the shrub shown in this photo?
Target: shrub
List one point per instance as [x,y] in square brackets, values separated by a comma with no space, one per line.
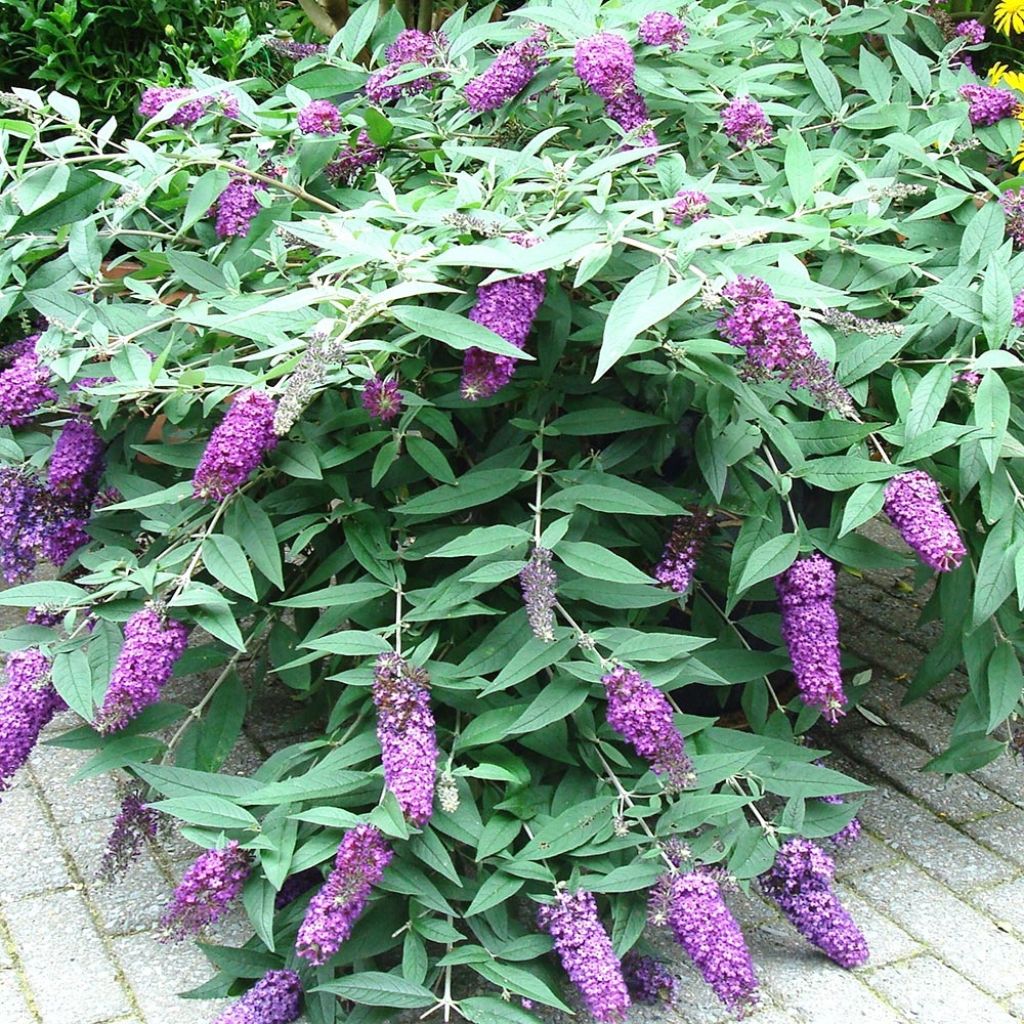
[643,348]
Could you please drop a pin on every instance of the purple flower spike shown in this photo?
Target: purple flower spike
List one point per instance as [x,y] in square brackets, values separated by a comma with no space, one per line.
[145,663]
[359,865]
[810,629]
[663,29]
[605,64]
[236,446]
[1018,309]
[275,999]
[641,713]
[508,308]
[411,48]
[679,560]
[509,73]
[689,206]
[77,463]
[156,98]
[972,30]
[320,117]
[24,387]
[799,883]
[382,399]
[354,159]
[538,582]
[913,502]
[405,728]
[28,702]
[209,886]
[237,206]
[649,981]
[135,824]
[746,124]
[988,105]
[586,952]
[693,908]
[296,885]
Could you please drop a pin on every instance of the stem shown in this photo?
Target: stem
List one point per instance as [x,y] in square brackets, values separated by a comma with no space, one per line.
[270,182]
[789,501]
[539,488]
[424,24]
[398,617]
[185,578]
[768,827]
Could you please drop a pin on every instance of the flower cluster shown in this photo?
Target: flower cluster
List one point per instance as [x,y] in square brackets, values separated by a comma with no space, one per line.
[409,50]
[76,464]
[359,865]
[382,399]
[648,979]
[1012,202]
[405,728]
[972,30]
[692,906]
[135,824]
[509,73]
[810,628]
[144,664]
[296,885]
[586,952]
[24,387]
[354,159]
[538,582]
[275,999]
[689,206]
[746,124]
[679,559]
[210,884]
[320,117]
[292,50]
[237,206]
[508,308]
[28,702]
[236,446]
[988,105]
[1018,309]
[799,882]
[194,106]
[913,502]
[771,336]
[641,713]
[663,29]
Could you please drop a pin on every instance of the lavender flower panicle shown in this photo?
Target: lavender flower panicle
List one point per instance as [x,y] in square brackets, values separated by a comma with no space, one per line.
[799,882]
[539,582]
[156,98]
[275,999]
[649,981]
[24,387]
[354,159]
[237,206]
[689,206]
[135,824]
[292,50]
[1018,310]
[145,663]
[320,117]
[692,906]
[28,702]
[810,630]
[1012,202]
[508,308]
[987,104]
[296,885]
[236,446]
[972,30]
[509,73]
[586,953]
[663,29]
[76,464]
[411,48]
[679,559]
[746,124]
[405,728]
[913,502]
[210,884]
[382,399]
[359,865]
[641,713]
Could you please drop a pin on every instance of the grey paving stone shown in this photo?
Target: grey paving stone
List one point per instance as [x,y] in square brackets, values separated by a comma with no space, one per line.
[1004,833]
[32,859]
[866,854]
[72,978]
[876,645]
[946,853]
[1002,905]
[962,937]
[930,992]
[157,973]
[13,1008]
[886,940]
[1016,1006]
[72,802]
[889,606]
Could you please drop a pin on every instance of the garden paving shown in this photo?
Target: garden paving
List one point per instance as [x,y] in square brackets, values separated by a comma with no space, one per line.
[936,882]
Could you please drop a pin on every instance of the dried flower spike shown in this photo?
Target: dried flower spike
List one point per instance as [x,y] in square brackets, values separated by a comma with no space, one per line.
[538,582]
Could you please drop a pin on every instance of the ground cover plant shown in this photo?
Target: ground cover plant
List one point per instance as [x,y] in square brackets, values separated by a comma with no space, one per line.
[509,398]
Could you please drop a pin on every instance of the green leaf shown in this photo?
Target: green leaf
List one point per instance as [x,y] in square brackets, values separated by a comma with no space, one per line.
[868,356]
[374,988]
[55,592]
[221,725]
[429,457]
[604,419]
[226,562]
[769,560]
[875,77]
[915,68]
[337,596]
[520,981]
[208,811]
[996,303]
[799,169]
[484,540]
[532,657]
[841,472]
[497,888]
[218,620]
[458,332]
[72,679]
[983,235]
[196,272]
[598,563]
[927,400]
[203,193]
[658,646]
[1005,682]
[966,755]
[992,415]
[996,577]
[356,34]
[478,487]
[864,504]
[570,829]
[41,186]
[557,700]
[492,1010]
[251,526]
[824,82]
[350,642]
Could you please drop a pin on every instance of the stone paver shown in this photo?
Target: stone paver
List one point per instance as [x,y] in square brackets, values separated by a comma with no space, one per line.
[13,1008]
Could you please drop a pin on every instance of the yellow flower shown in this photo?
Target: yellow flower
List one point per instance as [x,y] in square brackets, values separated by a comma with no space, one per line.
[1002,73]
[1009,16]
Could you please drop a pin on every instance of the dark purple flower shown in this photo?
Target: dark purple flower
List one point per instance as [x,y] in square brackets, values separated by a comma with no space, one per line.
[144,664]
[23,523]
[28,702]
[275,999]
[641,713]
[359,865]
[354,159]
[295,885]
[586,952]
[689,206]
[799,882]
[807,590]
[382,399]
[538,582]
[237,206]
[508,308]
[135,824]
[692,906]
[745,123]
[236,446]
[679,559]
[292,50]
[1018,309]
[156,98]
[411,48]
[1012,202]
[988,105]
[16,349]
[76,464]
[605,64]
[913,502]
[969,377]
[320,117]
[629,111]
[24,387]
[65,536]
[663,29]
[211,883]
[648,979]
[42,616]
[972,30]
[509,73]
[405,728]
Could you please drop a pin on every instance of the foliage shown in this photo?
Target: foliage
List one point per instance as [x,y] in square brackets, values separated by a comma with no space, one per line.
[872,213]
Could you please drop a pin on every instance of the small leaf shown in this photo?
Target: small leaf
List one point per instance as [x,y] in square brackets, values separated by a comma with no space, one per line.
[1005,682]
[596,562]
[456,331]
[226,562]
[772,558]
[374,988]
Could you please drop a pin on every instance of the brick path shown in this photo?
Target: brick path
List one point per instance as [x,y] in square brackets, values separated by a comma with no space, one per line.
[936,882]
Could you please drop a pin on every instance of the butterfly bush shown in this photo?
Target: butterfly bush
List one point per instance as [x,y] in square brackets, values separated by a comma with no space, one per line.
[500,466]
